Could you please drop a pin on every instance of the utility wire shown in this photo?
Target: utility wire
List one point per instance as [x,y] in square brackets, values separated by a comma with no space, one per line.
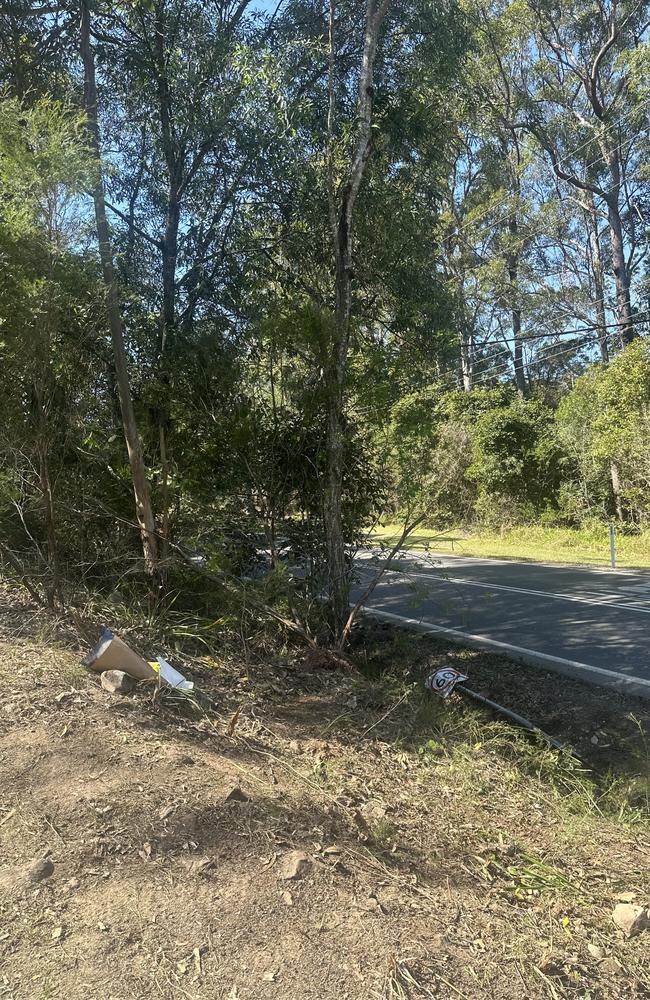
[479,380]
[562,160]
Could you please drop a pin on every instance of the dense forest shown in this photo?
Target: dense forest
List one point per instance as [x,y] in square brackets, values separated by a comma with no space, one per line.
[270,274]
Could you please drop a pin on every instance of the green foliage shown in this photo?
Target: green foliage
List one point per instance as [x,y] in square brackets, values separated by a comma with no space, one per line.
[514,462]
[227,136]
[605,419]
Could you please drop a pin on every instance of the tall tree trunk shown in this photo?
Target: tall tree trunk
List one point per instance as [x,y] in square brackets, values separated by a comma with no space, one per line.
[598,274]
[512,262]
[53,591]
[341,206]
[144,512]
[169,248]
[615,476]
[467,357]
[166,342]
[621,274]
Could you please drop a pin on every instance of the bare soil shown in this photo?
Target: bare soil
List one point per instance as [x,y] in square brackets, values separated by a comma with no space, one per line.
[470,868]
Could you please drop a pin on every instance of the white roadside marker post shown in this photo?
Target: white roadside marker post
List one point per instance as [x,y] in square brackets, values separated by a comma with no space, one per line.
[612,546]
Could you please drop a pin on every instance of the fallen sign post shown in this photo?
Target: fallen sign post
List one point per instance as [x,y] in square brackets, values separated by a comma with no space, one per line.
[442,682]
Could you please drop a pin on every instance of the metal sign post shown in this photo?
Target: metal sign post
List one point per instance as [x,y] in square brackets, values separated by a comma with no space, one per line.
[612,546]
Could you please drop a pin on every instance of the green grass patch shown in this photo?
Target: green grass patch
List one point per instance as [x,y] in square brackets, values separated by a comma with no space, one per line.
[588,546]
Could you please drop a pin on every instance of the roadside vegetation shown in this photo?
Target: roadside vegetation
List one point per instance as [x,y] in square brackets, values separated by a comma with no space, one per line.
[269,279]
[585,546]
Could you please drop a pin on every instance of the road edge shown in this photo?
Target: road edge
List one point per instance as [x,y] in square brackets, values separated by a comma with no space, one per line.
[596,567]
[570,668]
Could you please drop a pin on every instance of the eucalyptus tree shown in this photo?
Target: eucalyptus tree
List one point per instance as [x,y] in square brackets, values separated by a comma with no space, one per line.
[142,494]
[179,81]
[581,104]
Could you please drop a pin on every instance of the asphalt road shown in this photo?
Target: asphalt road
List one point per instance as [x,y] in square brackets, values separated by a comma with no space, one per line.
[599,618]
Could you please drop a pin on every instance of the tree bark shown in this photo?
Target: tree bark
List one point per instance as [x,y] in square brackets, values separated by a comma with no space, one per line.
[512,263]
[143,508]
[621,274]
[615,476]
[167,329]
[467,358]
[598,274]
[54,590]
[342,223]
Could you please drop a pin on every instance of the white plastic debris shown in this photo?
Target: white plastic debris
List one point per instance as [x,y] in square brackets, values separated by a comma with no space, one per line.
[443,681]
[172,676]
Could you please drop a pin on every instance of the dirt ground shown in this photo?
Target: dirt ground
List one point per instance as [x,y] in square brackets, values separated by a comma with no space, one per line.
[467,865]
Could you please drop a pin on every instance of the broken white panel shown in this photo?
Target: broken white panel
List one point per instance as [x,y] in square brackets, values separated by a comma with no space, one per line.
[173,677]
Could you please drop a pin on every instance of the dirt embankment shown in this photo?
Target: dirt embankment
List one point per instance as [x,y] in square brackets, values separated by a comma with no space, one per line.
[331,842]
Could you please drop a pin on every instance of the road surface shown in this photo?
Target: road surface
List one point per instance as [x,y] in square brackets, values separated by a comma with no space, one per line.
[591,618]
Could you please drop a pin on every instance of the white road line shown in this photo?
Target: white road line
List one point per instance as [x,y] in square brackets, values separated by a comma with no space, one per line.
[572,668]
[612,603]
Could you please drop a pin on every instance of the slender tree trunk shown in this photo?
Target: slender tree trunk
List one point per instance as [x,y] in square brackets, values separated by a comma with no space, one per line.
[512,262]
[598,273]
[54,590]
[167,330]
[467,358]
[621,274]
[615,476]
[144,512]
[169,247]
[342,219]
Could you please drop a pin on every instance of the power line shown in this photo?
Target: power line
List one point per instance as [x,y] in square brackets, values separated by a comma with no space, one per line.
[585,329]
[502,201]
[478,381]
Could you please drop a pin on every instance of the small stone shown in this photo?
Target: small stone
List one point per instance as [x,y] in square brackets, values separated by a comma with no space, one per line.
[236,795]
[609,966]
[295,866]
[71,884]
[595,951]
[117,682]
[57,933]
[39,870]
[630,918]
[287,898]
[185,760]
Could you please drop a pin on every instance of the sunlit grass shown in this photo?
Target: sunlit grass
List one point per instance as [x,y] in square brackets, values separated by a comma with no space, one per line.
[562,545]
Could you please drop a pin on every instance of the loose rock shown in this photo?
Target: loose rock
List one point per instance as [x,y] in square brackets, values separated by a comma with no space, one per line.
[39,870]
[236,795]
[117,682]
[295,866]
[630,918]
